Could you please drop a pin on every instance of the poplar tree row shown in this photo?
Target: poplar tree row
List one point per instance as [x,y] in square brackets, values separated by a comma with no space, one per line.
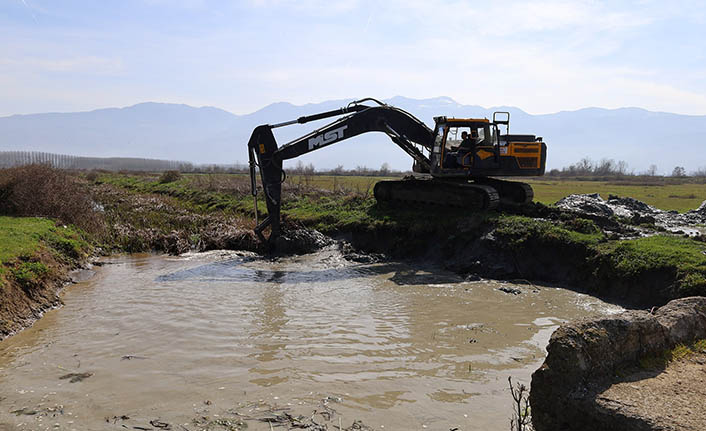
[10,159]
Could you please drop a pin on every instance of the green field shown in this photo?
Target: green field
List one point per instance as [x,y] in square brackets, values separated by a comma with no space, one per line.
[661,194]
[680,197]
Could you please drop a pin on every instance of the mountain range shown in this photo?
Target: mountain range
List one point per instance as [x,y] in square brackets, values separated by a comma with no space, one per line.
[211,135]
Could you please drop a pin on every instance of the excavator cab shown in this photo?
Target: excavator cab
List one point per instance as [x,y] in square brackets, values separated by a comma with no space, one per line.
[460,143]
[471,147]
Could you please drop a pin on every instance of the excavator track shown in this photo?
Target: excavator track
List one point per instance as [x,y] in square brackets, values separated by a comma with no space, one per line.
[437,192]
[512,193]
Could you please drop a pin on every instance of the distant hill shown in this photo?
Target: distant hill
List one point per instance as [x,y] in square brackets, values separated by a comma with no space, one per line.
[212,135]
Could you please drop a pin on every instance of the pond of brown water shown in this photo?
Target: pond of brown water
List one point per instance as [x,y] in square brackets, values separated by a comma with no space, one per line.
[208,340]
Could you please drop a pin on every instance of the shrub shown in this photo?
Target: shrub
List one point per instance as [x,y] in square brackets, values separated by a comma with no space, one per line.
[169,177]
[43,191]
[92,176]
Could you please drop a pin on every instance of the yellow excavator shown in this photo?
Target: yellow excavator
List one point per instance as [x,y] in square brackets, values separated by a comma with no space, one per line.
[454,162]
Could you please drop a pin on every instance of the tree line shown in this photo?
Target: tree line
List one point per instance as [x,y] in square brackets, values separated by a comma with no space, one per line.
[610,168]
[584,168]
[9,159]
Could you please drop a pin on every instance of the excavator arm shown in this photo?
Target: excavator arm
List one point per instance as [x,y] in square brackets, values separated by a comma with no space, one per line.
[400,126]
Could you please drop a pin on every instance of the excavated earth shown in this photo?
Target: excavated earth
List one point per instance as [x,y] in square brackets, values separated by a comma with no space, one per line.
[635,211]
[597,375]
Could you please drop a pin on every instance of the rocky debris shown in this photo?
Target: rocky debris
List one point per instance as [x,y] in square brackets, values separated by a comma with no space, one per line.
[588,356]
[637,212]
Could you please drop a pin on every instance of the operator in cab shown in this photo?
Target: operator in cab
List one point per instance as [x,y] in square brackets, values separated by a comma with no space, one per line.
[467,148]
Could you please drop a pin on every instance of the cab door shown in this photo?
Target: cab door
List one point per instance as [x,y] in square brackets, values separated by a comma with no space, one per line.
[488,153]
[437,148]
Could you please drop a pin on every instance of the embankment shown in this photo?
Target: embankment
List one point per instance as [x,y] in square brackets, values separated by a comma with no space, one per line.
[36,256]
[632,265]
[595,368]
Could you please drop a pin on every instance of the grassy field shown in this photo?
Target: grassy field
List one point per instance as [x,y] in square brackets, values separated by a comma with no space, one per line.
[680,197]
[152,212]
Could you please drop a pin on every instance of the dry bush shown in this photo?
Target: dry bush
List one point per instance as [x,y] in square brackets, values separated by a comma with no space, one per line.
[169,177]
[43,191]
[92,175]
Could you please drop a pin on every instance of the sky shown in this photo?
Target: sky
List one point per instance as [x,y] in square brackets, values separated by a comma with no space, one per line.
[540,56]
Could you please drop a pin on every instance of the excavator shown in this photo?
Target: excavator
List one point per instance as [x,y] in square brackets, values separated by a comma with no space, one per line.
[454,162]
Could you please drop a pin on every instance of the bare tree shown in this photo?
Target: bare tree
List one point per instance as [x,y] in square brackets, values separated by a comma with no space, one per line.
[679,172]
[701,172]
[338,170]
[521,417]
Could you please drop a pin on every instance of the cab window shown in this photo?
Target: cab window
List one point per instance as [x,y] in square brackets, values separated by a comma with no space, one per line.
[455,137]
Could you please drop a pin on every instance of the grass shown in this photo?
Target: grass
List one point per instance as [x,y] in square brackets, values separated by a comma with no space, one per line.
[231,191]
[348,206]
[679,352]
[679,197]
[21,236]
[683,256]
[23,239]
[518,230]
[29,274]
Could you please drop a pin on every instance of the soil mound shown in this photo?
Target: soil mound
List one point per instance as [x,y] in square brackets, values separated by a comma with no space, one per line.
[634,210]
[587,357]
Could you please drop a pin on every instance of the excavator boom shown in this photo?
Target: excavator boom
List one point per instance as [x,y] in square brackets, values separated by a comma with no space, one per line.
[402,127]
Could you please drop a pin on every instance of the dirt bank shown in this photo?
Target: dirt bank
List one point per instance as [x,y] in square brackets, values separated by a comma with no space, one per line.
[597,372]
[637,265]
[37,258]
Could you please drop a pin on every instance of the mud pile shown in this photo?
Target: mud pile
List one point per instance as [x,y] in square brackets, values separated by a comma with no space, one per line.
[301,241]
[635,211]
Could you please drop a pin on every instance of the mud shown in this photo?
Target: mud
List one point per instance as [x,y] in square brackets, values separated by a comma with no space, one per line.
[221,339]
[636,212]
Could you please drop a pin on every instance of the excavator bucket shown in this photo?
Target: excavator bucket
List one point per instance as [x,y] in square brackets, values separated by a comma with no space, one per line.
[262,148]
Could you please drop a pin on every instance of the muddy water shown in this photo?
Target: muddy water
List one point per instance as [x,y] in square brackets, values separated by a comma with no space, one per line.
[187,340]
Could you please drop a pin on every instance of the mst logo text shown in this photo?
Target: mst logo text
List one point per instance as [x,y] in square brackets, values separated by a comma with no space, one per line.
[326,138]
